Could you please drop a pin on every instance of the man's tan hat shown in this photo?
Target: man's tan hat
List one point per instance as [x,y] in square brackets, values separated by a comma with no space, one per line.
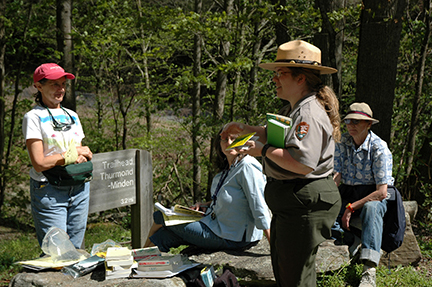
[360,111]
[299,54]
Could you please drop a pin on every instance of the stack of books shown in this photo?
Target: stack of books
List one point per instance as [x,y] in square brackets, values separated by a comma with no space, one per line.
[161,266]
[161,263]
[145,253]
[118,262]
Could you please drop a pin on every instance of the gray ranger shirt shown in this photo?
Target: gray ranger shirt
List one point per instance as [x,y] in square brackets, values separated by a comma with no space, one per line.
[309,141]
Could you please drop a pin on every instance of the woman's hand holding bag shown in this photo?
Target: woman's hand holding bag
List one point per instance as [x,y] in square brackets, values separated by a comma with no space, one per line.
[70,173]
[71,154]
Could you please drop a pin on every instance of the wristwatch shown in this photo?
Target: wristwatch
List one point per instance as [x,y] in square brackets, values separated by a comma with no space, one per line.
[264,150]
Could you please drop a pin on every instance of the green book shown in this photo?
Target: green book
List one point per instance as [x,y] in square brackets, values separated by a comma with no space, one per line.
[276,133]
[279,118]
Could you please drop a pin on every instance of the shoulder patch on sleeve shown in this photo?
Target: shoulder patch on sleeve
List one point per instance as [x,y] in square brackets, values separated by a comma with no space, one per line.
[301,130]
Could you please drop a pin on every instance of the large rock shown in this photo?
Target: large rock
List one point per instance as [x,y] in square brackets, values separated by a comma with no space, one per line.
[331,257]
[409,253]
[96,278]
[411,207]
[252,266]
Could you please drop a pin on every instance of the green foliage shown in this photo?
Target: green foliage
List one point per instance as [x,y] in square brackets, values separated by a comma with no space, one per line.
[425,190]
[100,232]
[347,276]
[413,32]
[178,249]
[350,49]
[21,247]
[425,240]
[350,275]
[302,18]
[134,71]
[135,74]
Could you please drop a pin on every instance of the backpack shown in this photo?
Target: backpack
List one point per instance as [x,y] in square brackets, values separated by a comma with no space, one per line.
[227,279]
[394,218]
[394,221]
[192,278]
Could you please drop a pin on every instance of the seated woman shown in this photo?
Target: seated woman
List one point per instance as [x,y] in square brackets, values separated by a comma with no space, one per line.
[236,216]
[363,163]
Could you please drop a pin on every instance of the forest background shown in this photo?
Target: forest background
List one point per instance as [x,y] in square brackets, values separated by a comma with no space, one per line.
[164,76]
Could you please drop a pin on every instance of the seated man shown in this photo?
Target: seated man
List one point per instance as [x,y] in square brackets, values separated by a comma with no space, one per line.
[363,163]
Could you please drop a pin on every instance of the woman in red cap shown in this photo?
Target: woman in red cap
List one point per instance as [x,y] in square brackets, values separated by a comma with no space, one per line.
[53,137]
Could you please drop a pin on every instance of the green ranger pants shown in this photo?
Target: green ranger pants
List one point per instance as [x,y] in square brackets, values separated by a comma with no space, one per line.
[304,211]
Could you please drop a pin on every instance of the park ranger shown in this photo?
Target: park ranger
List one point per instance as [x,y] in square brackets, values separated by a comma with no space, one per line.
[300,190]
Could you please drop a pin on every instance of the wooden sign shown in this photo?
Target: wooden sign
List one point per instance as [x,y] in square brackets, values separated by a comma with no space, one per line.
[114,181]
[122,178]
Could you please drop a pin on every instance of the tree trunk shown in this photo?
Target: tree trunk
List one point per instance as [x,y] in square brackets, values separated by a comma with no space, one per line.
[221,87]
[22,57]
[380,31]
[253,74]
[239,50]
[2,97]
[124,109]
[331,42]
[258,52]
[222,79]
[65,45]
[414,126]
[282,35]
[196,107]
[144,48]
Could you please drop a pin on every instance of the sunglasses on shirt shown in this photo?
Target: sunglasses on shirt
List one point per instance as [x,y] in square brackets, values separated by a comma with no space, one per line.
[59,126]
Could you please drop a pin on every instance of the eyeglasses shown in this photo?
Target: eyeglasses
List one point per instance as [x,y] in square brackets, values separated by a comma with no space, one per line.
[58,126]
[278,74]
[351,122]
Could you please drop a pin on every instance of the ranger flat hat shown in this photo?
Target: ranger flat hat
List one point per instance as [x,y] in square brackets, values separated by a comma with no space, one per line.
[360,111]
[298,54]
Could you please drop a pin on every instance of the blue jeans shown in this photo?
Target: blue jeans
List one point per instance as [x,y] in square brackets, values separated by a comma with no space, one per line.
[65,207]
[371,216]
[194,233]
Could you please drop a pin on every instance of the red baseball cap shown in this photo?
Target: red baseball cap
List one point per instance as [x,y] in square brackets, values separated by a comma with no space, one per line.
[50,71]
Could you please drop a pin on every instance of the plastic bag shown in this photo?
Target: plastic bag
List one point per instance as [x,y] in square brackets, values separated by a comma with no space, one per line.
[100,249]
[56,243]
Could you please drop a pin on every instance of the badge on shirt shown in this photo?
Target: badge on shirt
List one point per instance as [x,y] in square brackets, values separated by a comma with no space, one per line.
[301,130]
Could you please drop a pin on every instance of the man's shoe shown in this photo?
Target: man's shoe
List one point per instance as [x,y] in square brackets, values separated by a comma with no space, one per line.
[368,277]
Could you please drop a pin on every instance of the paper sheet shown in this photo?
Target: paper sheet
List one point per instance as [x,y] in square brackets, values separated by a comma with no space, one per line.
[162,274]
[47,262]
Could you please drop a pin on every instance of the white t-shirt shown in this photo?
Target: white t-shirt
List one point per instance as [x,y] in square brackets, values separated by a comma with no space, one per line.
[38,124]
